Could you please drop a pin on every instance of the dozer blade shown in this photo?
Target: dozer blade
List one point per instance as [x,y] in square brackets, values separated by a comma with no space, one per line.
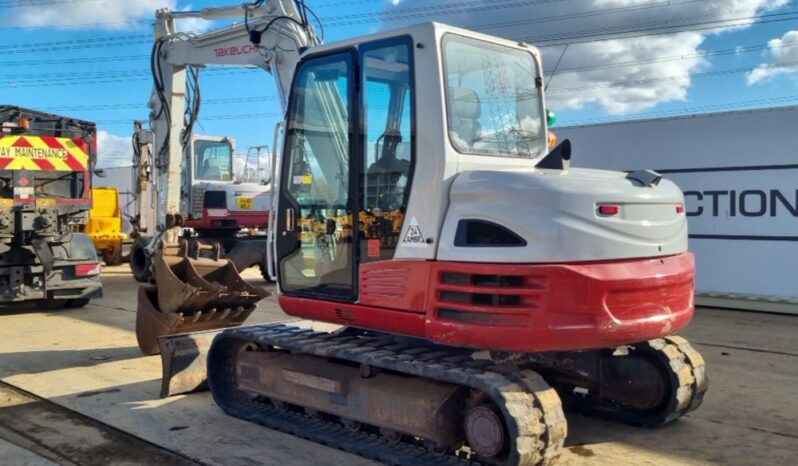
[184,359]
[191,294]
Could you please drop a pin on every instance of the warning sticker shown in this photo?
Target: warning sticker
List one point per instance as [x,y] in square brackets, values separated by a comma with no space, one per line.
[43,153]
[414,238]
[34,153]
[303,179]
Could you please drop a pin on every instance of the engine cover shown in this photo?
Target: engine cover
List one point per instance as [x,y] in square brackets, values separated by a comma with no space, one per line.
[558,216]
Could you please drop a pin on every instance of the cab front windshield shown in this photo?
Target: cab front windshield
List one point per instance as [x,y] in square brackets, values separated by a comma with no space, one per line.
[213,160]
[492,98]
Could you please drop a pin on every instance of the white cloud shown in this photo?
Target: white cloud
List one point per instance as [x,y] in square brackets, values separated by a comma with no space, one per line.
[785,59]
[197,25]
[106,14]
[600,80]
[99,14]
[113,150]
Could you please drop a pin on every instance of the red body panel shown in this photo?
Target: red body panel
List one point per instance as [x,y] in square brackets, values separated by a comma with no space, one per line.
[233,220]
[518,307]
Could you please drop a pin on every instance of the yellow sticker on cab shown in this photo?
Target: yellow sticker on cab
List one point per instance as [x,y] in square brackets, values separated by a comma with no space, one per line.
[244,202]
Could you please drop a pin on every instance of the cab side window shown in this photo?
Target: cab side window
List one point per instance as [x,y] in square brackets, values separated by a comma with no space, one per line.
[388,145]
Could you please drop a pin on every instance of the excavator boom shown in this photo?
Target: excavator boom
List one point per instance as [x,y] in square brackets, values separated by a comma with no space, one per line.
[196,284]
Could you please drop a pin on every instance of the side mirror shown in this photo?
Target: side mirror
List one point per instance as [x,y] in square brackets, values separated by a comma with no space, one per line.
[100,173]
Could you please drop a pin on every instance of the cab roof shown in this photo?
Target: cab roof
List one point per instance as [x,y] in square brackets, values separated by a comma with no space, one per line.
[43,122]
[430,29]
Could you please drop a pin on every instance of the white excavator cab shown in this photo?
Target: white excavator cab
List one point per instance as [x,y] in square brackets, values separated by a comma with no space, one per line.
[211,158]
[217,199]
[431,143]
[369,120]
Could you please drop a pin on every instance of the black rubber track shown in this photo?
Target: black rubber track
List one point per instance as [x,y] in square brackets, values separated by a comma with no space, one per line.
[530,407]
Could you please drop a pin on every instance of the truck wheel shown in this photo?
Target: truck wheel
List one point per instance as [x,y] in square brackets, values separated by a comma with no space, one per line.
[76,303]
[139,262]
[50,304]
[114,256]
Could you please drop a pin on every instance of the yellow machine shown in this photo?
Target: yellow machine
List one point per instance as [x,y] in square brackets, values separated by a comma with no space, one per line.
[105,224]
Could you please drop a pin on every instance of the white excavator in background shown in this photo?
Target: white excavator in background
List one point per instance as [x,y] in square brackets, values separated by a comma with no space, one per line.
[220,205]
[480,282]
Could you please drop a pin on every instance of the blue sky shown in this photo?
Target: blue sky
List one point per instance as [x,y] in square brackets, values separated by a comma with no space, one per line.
[89,58]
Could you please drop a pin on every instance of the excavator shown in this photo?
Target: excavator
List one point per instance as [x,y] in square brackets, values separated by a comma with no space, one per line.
[218,205]
[478,286]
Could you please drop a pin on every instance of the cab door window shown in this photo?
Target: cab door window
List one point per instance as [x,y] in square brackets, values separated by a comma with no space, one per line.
[316,179]
[213,160]
[388,145]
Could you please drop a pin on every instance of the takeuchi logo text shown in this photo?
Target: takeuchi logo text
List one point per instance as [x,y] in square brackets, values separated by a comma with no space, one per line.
[235,50]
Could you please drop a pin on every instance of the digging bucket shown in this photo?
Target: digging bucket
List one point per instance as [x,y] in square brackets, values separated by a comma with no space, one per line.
[192,294]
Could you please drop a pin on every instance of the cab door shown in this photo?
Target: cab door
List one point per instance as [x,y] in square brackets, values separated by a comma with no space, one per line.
[316,214]
[347,168]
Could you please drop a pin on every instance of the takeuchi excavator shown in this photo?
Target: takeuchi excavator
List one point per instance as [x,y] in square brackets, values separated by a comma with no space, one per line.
[480,283]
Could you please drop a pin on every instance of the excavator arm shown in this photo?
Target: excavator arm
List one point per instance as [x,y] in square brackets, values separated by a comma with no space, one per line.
[196,286]
[272,36]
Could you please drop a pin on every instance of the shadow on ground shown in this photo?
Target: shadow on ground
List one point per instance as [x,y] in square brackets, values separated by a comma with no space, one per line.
[41,361]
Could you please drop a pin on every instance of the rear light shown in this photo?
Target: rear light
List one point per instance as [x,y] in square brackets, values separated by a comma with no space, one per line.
[608,209]
[679,208]
[87,270]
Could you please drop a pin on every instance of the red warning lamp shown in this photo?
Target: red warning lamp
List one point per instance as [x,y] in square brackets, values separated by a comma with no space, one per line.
[679,208]
[609,209]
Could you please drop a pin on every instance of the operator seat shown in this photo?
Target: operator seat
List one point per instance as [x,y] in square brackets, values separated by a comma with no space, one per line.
[383,176]
[465,110]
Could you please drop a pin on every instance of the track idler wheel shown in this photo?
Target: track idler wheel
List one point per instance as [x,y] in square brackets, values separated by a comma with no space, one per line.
[646,384]
[484,430]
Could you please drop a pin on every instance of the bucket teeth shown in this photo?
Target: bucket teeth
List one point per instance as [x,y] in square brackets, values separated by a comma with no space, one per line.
[191,294]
